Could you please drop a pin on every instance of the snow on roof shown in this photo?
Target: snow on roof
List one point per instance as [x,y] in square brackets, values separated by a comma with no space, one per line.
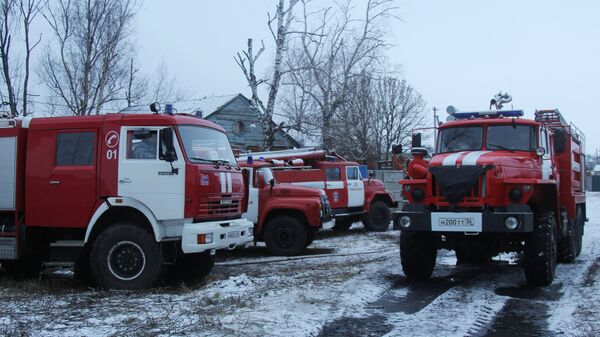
[596,168]
[208,105]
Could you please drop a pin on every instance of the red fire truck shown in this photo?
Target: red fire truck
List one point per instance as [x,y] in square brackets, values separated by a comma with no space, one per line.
[497,183]
[122,196]
[352,197]
[286,217]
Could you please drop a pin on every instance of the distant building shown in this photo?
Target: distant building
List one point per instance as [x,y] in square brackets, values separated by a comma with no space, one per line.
[236,114]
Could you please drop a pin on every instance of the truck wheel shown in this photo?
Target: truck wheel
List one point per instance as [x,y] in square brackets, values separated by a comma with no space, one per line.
[125,256]
[417,254]
[567,245]
[343,224]
[310,237]
[379,217]
[192,268]
[580,222]
[540,250]
[285,235]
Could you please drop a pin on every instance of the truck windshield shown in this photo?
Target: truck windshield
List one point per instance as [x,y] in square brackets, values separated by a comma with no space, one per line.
[512,138]
[203,144]
[460,139]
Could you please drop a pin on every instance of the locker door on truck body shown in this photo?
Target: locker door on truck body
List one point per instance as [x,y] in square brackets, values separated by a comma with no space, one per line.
[60,178]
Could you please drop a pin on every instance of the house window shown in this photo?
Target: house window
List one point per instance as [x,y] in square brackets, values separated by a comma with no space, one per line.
[238,127]
[75,149]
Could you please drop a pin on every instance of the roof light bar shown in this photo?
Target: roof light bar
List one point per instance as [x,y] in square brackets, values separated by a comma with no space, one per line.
[478,114]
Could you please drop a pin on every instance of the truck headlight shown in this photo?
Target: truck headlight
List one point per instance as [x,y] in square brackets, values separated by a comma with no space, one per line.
[511,222]
[405,221]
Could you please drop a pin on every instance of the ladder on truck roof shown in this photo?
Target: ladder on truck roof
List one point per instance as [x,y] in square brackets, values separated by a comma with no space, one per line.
[554,119]
[292,153]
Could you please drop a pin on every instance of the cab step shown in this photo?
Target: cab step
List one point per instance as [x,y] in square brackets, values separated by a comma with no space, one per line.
[65,251]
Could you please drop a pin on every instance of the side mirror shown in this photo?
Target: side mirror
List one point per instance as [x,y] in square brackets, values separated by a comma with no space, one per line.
[540,151]
[371,175]
[166,136]
[397,149]
[416,140]
[155,107]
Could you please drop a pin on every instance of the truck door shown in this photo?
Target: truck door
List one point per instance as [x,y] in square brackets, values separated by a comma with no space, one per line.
[73,178]
[356,187]
[547,157]
[253,203]
[334,188]
[144,175]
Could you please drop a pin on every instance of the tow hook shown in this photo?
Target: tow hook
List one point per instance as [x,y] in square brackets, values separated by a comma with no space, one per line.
[232,246]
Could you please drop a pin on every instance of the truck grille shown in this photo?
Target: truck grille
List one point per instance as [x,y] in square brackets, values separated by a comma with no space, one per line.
[477,191]
[220,207]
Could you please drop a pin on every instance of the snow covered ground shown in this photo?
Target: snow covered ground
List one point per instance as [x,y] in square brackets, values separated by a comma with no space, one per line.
[346,285]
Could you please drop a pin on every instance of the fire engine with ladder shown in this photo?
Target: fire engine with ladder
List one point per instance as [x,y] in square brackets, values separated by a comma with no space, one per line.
[352,197]
[496,183]
[125,198]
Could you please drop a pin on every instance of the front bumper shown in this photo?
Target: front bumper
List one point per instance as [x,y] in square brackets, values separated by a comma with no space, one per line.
[492,221]
[225,234]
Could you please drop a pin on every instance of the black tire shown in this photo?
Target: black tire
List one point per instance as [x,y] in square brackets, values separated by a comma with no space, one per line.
[580,222]
[541,250]
[475,254]
[125,256]
[343,224]
[567,245]
[285,235]
[310,237]
[379,217]
[417,254]
[193,268]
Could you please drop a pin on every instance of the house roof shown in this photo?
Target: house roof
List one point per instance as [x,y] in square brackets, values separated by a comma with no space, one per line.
[596,168]
[208,105]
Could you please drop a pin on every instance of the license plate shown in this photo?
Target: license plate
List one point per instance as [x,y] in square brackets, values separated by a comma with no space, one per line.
[455,222]
[226,202]
[234,234]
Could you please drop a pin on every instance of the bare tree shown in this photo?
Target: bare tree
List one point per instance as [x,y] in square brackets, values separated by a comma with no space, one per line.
[247,62]
[29,10]
[16,14]
[399,109]
[8,13]
[136,85]
[88,66]
[163,87]
[335,49]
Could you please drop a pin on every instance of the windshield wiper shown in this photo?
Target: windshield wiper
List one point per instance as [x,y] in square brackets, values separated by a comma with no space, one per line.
[216,162]
[501,147]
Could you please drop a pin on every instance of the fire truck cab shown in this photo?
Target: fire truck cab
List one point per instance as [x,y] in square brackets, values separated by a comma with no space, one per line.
[352,197]
[122,196]
[286,217]
[496,183]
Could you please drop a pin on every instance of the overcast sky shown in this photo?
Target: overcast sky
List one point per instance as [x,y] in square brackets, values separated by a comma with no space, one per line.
[545,53]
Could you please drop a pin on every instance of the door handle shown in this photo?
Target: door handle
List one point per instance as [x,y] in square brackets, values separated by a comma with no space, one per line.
[125,181]
[54,182]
